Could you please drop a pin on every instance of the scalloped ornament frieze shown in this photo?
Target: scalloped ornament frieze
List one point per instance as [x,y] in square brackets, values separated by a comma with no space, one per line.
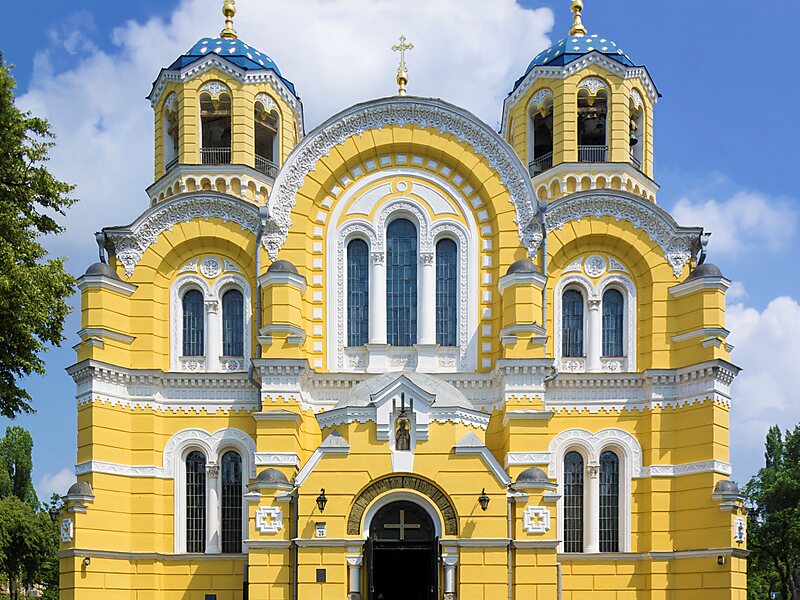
[402,112]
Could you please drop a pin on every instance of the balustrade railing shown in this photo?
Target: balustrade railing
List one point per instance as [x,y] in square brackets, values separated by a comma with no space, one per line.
[541,164]
[215,156]
[592,154]
[267,167]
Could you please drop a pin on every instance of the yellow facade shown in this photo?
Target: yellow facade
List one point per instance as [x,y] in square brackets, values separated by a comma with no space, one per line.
[270,373]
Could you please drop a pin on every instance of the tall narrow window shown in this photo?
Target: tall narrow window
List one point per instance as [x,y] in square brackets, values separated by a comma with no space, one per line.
[215,121]
[357,293]
[446,292]
[613,310]
[193,324]
[267,128]
[231,503]
[233,323]
[572,324]
[195,502]
[401,283]
[609,502]
[573,502]
[592,117]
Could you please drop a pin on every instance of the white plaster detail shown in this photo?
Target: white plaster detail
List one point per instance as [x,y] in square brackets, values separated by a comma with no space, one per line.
[636,98]
[210,267]
[268,103]
[67,530]
[615,265]
[593,84]
[269,519]
[576,266]
[595,266]
[231,267]
[215,88]
[539,98]
[277,459]
[189,267]
[213,446]
[739,530]
[536,519]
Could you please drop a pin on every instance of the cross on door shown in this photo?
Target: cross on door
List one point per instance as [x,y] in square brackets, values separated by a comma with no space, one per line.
[402,525]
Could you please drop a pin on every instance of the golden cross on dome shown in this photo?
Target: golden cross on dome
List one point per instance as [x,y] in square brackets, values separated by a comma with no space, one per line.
[577,23]
[229,10]
[402,71]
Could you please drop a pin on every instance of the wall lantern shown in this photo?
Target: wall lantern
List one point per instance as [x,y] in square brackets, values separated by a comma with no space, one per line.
[54,511]
[322,500]
[483,499]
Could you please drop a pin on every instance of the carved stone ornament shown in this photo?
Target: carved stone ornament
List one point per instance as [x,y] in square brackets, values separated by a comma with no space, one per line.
[593,84]
[677,243]
[536,520]
[130,243]
[540,97]
[215,88]
[210,267]
[426,113]
[269,519]
[636,98]
[268,103]
[739,530]
[594,266]
[67,530]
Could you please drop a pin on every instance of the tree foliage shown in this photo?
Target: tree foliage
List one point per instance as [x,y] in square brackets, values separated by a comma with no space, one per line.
[16,464]
[773,497]
[26,542]
[33,288]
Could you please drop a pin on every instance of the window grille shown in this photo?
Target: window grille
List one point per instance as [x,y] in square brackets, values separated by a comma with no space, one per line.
[357,293]
[446,293]
[196,502]
[231,503]
[233,323]
[613,310]
[573,502]
[609,502]
[572,324]
[193,324]
[401,283]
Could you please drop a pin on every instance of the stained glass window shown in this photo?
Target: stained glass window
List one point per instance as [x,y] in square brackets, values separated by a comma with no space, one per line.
[446,293]
[195,502]
[357,293]
[613,311]
[572,324]
[193,324]
[231,503]
[233,323]
[609,502]
[573,502]
[401,283]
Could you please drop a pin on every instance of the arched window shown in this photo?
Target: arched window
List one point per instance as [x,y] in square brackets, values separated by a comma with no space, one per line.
[267,135]
[572,324]
[233,323]
[193,324]
[215,118]
[231,503]
[609,502]
[171,132]
[592,126]
[637,134]
[446,292]
[401,283]
[573,502]
[195,502]
[357,293]
[540,140]
[613,315]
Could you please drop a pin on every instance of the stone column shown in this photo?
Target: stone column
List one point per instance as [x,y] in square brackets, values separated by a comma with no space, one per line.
[591,526]
[213,335]
[212,512]
[354,565]
[426,313]
[450,563]
[377,346]
[594,338]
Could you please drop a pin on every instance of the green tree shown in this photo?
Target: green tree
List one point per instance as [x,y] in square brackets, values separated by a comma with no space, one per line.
[25,542]
[33,289]
[16,464]
[774,511]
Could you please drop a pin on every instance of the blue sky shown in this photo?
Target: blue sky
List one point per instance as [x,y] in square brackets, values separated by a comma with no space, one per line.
[725,134]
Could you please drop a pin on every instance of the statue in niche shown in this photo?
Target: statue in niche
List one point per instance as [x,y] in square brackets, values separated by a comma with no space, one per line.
[402,434]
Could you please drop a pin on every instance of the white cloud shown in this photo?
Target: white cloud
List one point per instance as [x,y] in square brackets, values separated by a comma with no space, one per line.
[468,52]
[54,484]
[766,346]
[737,291]
[744,222]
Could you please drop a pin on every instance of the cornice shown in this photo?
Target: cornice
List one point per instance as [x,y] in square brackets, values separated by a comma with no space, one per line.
[691,286]
[87,282]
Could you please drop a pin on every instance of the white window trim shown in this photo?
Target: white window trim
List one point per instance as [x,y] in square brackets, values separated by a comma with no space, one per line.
[591,446]
[180,287]
[270,105]
[213,446]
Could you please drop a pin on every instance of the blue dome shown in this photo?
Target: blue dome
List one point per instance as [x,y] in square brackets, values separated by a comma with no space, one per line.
[233,50]
[572,48]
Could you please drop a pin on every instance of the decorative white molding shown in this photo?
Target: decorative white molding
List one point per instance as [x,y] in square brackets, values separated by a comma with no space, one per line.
[268,102]
[86,282]
[470,444]
[527,458]
[131,242]
[595,266]
[636,98]
[67,530]
[536,520]
[576,266]
[615,265]
[102,332]
[593,84]
[213,446]
[210,267]
[677,243]
[428,113]
[333,444]
[215,88]
[703,332]
[539,98]
[739,530]
[690,286]
[277,459]
[703,466]
[269,519]
[108,468]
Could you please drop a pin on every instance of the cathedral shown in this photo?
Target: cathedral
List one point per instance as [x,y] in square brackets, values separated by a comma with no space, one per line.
[403,356]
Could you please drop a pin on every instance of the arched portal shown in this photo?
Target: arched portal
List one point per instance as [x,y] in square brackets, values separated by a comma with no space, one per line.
[401,553]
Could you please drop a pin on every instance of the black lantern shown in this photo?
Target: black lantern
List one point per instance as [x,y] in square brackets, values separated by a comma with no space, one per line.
[322,500]
[483,499]
[54,511]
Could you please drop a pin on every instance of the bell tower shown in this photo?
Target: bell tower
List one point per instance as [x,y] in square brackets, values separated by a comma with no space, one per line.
[225,119]
[581,117]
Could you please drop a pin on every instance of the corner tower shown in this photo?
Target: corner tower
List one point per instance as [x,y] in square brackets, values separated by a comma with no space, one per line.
[225,119]
[581,117]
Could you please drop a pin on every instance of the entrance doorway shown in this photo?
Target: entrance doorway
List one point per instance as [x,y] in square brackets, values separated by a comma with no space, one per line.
[402,554]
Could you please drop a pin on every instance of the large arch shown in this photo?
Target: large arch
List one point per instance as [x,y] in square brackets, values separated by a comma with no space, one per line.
[402,483]
[425,113]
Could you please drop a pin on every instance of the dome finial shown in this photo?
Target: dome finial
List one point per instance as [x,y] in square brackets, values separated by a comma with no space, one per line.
[229,10]
[577,23]
[402,71]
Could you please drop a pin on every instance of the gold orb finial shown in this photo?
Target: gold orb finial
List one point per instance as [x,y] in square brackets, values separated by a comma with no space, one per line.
[402,70]
[577,23]
[229,11]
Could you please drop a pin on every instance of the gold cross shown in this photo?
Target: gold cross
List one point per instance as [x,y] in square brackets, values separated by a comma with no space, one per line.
[402,525]
[402,71]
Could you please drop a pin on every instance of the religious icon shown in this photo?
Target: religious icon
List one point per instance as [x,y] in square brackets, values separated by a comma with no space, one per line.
[403,435]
